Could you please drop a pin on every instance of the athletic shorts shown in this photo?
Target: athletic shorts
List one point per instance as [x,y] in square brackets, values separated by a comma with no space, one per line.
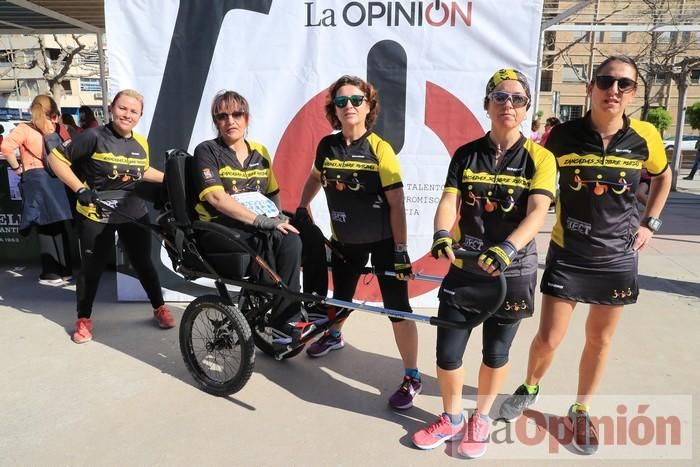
[602,281]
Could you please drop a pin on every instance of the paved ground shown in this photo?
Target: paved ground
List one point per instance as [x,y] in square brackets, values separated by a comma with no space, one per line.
[127,399]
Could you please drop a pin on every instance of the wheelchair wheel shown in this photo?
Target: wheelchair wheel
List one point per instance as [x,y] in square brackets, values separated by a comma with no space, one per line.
[217,346]
[263,340]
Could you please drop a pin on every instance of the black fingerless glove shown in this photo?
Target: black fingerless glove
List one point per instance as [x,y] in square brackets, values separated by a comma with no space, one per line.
[263,222]
[442,243]
[500,256]
[86,196]
[402,265]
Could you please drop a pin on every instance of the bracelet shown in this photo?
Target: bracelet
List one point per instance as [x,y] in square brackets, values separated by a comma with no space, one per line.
[15,168]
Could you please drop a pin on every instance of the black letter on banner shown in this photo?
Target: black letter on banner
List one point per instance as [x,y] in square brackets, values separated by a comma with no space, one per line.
[191,50]
[386,70]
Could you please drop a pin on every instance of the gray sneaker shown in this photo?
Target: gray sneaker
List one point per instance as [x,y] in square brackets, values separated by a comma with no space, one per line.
[585,438]
[514,406]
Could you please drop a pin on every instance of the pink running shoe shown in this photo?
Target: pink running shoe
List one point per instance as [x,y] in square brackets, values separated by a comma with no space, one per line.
[438,432]
[476,439]
[83,331]
[164,318]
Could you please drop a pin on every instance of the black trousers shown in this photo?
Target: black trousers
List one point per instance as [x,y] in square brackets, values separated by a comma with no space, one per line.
[96,241]
[354,258]
[54,248]
[282,252]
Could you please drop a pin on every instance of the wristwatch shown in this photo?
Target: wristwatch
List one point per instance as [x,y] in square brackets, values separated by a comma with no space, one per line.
[652,223]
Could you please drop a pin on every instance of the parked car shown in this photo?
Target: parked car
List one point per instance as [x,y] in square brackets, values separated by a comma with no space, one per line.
[688,143]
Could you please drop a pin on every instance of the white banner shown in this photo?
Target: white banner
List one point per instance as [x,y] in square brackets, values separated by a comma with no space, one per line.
[430,65]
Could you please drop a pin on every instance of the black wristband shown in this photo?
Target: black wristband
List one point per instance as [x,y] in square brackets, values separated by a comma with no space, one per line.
[15,168]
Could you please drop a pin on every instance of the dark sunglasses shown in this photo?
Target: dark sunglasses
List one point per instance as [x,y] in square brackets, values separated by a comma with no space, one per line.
[501,97]
[223,116]
[342,101]
[624,85]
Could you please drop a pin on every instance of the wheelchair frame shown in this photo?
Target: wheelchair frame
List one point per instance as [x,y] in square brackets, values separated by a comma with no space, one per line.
[230,327]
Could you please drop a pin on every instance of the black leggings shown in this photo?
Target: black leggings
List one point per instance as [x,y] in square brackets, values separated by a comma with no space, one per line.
[96,242]
[498,334]
[54,248]
[354,258]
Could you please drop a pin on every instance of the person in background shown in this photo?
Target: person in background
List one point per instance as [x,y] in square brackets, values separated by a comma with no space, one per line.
[87,118]
[696,163]
[550,123]
[594,250]
[111,161]
[45,203]
[535,133]
[499,215]
[2,132]
[360,174]
[69,122]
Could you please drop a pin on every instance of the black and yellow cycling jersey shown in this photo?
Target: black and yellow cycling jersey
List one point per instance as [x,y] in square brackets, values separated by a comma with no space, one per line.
[494,198]
[597,213]
[355,178]
[218,168]
[112,165]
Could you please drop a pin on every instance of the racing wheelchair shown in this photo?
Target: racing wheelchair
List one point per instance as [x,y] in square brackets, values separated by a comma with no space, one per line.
[219,332]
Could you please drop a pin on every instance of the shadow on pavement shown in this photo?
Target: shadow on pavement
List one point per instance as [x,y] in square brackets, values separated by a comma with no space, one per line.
[352,380]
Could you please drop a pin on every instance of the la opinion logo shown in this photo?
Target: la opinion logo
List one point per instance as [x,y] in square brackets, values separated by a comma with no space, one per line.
[355,14]
[192,46]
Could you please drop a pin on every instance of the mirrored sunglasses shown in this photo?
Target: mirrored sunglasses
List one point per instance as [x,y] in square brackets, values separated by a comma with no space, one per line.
[501,97]
[342,101]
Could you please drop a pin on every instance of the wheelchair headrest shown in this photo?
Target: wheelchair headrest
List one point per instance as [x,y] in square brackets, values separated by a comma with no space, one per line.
[180,192]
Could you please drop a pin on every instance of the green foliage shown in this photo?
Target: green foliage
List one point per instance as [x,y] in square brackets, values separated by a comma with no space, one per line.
[660,118]
[692,116]
[538,115]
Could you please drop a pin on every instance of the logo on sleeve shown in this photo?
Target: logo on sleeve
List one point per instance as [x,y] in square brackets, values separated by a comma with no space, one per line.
[206,172]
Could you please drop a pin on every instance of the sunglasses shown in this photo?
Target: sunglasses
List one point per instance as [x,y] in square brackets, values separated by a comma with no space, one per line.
[501,97]
[624,85]
[342,101]
[223,116]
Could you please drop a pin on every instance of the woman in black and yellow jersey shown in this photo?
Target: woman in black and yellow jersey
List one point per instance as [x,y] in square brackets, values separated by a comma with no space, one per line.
[501,186]
[107,163]
[234,181]
[595,242]
[360,175]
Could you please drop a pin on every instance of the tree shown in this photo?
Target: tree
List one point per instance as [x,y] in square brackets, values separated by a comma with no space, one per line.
[692,115]
[56,63]
[56,58]
[660,118]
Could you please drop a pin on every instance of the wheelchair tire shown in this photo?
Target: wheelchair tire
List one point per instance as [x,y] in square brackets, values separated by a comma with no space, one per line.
[217,345]
[262,341]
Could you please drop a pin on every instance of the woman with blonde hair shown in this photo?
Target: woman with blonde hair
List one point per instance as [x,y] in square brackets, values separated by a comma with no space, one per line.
[112,159]
[44,200]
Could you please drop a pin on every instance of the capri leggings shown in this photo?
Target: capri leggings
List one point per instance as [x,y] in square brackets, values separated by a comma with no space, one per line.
[355,256]
[498,334]
[96,242]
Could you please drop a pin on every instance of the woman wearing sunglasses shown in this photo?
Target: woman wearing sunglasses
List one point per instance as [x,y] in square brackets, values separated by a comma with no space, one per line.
[108,163]
[237,188]
[594,248]
[501,186]
[360,175]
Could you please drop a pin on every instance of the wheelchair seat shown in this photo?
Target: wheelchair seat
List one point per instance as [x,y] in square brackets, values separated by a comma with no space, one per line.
[189,249]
